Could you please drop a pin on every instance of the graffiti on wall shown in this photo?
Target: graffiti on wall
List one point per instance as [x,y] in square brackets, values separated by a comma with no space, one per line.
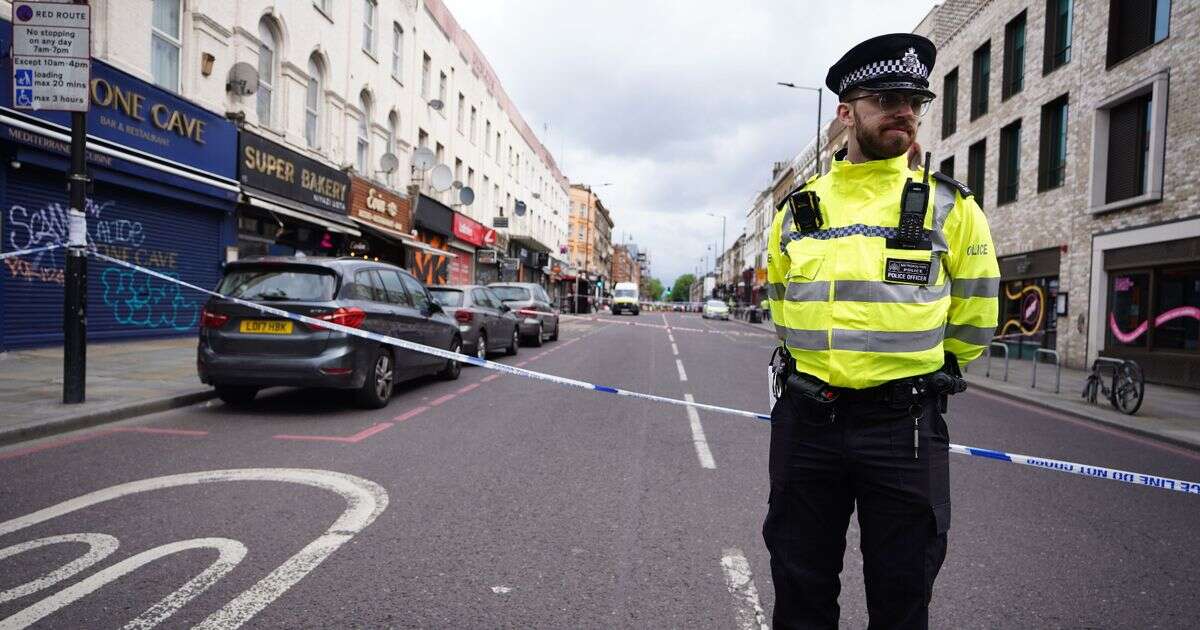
[142,302]
[428,267]
[1031,311]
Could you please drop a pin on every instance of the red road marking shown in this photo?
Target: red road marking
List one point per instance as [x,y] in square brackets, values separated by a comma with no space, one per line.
[437,401]
[97,434]
[468,388]
[353,439]
[410,413]
[521,363]
[154,431]
[489,378]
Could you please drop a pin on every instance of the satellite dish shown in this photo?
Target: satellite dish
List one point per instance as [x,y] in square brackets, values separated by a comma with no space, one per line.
[519,209]
[388,162]
[441,178]
[466,195]
[456,184]
[436,104]
[243,79]
[423,159]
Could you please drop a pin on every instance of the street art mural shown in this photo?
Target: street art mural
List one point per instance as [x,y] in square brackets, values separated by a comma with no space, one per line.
[428,267]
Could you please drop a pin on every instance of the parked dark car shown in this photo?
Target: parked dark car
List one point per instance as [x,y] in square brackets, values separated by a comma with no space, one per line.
[243,350]
[537,314]
[485,322]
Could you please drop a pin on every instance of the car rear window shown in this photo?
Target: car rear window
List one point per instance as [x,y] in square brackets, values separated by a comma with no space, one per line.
[447,297]
[303,285]
[626,293]
[715,303]
[512,294]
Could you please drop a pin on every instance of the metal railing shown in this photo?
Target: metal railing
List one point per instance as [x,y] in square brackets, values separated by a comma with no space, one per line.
[1057,368]
[1003,347]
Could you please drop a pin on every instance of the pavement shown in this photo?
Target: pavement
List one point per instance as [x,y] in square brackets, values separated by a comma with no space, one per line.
[124,379]
[498,501]
[1167,413]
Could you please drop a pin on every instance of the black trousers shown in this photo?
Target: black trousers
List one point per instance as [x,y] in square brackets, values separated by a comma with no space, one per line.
[828,459]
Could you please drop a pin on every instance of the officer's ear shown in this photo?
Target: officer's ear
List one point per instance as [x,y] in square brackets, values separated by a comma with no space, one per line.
[845,109]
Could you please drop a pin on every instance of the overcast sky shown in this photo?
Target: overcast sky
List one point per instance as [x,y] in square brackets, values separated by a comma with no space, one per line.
[674,103]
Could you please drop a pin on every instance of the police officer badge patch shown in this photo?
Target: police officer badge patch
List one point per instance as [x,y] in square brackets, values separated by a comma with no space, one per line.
[911,62]
[907,271]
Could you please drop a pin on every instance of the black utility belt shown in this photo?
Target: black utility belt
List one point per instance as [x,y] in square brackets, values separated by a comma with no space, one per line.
[905,390]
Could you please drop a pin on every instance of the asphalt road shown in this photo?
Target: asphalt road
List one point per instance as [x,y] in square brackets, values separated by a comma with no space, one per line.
[499,501]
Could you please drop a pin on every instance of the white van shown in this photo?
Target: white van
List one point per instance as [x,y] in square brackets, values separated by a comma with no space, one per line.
[625,298]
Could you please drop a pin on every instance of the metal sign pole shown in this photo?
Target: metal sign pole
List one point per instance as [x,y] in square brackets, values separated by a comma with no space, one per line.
[75,281]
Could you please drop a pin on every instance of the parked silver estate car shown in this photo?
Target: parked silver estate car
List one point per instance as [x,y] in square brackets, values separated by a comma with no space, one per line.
[538,316]
[485,322]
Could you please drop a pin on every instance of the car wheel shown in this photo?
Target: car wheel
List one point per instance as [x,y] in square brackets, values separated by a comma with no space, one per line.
[637,312]
[554,335]
[515,343]
[535,339]
[453,368]
[481,346]
[376,389]
[237,396]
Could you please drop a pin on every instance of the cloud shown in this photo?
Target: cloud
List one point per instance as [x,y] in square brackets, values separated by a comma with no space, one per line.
[674,103]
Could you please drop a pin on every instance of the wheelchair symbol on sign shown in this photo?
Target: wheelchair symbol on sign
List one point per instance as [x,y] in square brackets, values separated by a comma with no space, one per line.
[24,77]
[24,98]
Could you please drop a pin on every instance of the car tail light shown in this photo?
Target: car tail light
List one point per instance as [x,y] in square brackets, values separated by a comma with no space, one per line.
[350,317]
[463,316]
[209,319]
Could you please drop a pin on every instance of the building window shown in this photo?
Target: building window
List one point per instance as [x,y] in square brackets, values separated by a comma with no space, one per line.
[1176,291]
[1010,163]
[442,87]
[950,103]
[267,45]
[981,74]
[422,139]
[1052,146]
[1129,143]
[474,124]
[497,148]
[165,44]
[1014,57]
[393,145]
[462,113]
[369,11]
[947,167]
[487,137]
[1134,25]
[1057,48]
[312,104]
[397,52]
[976,156]
[324,6]
[363,144]
[426,70]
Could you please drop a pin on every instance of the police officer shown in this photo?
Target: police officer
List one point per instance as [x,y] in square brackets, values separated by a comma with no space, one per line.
[882,282]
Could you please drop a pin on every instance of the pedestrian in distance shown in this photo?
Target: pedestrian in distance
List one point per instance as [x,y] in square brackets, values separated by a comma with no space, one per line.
[882,281]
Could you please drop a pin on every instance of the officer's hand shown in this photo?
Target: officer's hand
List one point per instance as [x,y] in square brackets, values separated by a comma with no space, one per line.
[914,156]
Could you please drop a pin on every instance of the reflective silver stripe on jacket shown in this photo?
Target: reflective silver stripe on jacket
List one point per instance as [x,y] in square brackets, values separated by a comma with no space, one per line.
[874,291]
[976,287]
[803,339]
[976,335]
[886,341]
[776,290]
[807,291]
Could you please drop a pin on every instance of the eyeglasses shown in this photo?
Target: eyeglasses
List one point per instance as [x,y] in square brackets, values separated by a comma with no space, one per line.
[893,101]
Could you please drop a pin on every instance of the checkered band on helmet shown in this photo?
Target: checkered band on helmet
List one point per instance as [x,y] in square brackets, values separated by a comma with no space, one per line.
[907,66]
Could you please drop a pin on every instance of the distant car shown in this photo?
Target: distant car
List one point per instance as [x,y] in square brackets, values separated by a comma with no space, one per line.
[715,309]
[242,350]
[625,298]
[486,323]
[537,314]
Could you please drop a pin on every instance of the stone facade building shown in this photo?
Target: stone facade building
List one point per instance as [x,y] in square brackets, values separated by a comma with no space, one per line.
[590,239]
[1073,123]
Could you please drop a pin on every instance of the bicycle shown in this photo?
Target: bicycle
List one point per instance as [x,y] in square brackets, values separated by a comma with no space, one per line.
[1128,384]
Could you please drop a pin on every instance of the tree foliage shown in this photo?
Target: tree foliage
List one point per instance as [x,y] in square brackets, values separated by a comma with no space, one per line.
[681,291]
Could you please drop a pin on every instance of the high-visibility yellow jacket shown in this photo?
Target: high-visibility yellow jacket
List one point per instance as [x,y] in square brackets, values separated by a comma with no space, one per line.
[849,321]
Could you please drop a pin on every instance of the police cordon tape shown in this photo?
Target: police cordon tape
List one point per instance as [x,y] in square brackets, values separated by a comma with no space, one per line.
[26,252]
[1095,472]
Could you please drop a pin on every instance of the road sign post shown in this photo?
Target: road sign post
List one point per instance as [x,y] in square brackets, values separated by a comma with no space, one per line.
[52,67]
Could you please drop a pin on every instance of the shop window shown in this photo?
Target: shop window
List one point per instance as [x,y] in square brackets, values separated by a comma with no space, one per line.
[1057,47]
[950,103]
[1177,309]
[1014,57]
[1134,25]
[1129,308]
[981,73]
[1052,146]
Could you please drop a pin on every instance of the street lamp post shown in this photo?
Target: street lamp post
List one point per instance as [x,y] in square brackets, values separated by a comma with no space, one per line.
[820,92]
[722,250]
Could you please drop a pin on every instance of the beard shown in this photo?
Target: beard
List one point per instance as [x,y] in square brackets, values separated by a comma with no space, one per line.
[881,143]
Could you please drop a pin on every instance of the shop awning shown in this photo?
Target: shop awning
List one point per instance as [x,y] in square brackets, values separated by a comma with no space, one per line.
[382,231]
[426,247]
[329,223]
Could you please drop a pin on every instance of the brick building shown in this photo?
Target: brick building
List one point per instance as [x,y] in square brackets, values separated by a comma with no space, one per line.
[1073,122]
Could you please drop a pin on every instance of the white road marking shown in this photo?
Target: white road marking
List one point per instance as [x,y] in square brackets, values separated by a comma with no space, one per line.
[698,439]
[100,546]
[674,349]
[365,501]
[682,374]
[749,613]
[501,590]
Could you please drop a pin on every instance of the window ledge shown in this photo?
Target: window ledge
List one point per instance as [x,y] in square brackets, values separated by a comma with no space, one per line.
[397,79]
[370,54]
[323,13]
[1153,196]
